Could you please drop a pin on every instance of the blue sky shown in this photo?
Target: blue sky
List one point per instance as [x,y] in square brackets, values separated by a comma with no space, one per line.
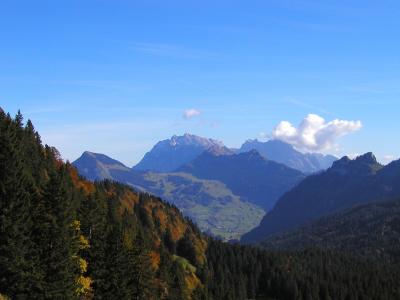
[116,76]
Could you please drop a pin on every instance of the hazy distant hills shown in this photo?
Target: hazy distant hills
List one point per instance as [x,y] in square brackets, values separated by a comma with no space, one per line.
[170,154]
[285,153]
[96,166]
[209,203]
[347,183]
[370,230]
[247,174]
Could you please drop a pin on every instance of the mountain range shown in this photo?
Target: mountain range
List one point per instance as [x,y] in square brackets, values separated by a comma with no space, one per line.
[170,154]
[284,153]
[347,183]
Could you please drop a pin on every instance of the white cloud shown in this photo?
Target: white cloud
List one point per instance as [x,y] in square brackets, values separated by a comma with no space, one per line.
[190,113]
[314,133]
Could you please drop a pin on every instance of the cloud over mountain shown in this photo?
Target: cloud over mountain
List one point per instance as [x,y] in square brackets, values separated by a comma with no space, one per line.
[314,133]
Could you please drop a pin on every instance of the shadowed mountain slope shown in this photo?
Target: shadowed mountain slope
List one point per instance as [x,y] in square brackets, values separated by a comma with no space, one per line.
[247,174]
[347,183]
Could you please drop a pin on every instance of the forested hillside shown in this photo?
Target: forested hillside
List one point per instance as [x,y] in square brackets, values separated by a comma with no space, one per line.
[370,230]
[62,237]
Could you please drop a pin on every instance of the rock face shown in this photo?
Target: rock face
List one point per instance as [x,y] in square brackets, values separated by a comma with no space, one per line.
[247,174]
[347,183]
[168,155]
[285,153]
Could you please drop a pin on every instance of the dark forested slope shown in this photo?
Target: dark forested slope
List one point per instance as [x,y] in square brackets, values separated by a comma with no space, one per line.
[370,230]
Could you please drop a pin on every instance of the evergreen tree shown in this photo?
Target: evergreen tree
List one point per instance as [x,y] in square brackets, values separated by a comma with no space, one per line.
[19,275]
[59,239]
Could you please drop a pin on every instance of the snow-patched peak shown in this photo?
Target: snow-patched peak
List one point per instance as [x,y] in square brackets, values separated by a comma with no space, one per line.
[192,140]
[170,154]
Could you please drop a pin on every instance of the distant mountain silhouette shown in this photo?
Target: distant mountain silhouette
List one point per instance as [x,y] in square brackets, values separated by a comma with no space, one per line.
[285,153]
[247,174]
[347,183]
[170,154]
[96,166]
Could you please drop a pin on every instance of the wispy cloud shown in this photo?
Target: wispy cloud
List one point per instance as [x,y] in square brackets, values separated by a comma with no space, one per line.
[191,113]
[117,85]
[170,50]
[311,26]
[390,85]
[307,105]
